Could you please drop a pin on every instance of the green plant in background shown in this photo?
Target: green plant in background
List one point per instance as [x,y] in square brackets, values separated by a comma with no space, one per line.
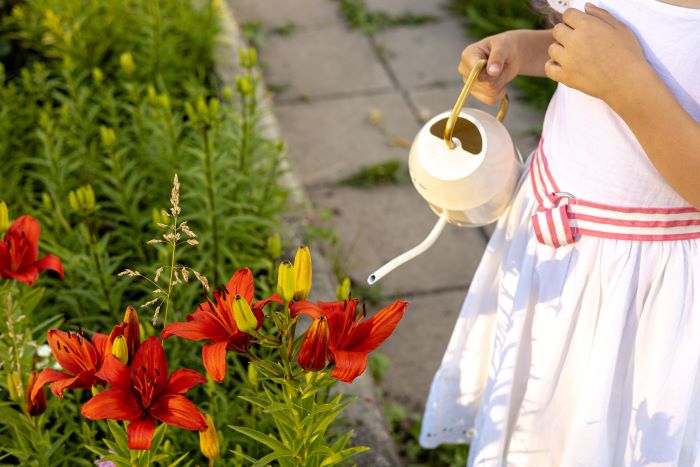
[358,16]
[94,122]
[488,17]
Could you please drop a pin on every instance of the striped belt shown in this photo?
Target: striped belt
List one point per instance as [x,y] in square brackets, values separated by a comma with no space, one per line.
[561,217]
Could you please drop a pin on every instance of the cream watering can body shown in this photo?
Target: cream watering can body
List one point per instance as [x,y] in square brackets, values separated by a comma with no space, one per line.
[465,165]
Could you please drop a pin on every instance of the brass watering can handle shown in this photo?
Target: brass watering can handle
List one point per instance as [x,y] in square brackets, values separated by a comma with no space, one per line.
[468,84]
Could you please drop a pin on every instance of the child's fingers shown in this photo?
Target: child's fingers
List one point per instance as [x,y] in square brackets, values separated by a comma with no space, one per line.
[601,14]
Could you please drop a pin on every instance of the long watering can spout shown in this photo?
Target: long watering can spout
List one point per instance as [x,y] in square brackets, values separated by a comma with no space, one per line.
[410,254]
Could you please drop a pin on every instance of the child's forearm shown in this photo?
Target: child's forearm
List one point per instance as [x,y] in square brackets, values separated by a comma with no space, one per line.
[532,50]
[669,135]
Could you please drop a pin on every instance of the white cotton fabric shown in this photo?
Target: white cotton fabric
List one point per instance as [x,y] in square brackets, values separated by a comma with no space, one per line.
[589,354]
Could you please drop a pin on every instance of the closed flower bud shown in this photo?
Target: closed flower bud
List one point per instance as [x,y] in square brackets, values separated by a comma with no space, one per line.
[253,375]
[302,273]
[202,109]
[274,246]
[120,350]
[227,93]
[214,107]
[243,315]
[4,217]
[285,281]
[132,331]
[209,440]
[244,86]
[314,353]
[126,61]
[342,292]
[97,75]
[38,406]
[13,386]
[107,136]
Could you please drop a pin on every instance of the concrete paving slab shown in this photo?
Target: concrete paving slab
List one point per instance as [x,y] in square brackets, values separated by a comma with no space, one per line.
[417,346]
[375,225]
[303,13]
[318,62]
[437,8]
[331,139]
[424,55]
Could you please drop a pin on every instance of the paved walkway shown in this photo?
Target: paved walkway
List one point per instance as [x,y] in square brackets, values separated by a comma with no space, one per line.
[327,80]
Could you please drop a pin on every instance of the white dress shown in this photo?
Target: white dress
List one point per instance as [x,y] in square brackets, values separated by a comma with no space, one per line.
[587,354]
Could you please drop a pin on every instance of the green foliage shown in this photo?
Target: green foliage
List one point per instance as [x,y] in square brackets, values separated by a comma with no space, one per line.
[101,103]
[358,16]
[489,17]
[392,172]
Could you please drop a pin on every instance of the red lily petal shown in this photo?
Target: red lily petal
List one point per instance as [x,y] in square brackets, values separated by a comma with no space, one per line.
[52,263]
[112,404]
[177,410]
[305,308]
[195,330]
[242,284]
[103,348]
[183,380]
[348,365]
[274,298]
[140,433]
[313,353]
[150,363]
[27,274]
[369,334]
[84,380]
[214,358]
[47,376]
[72,356]
[115,373]
[27,225]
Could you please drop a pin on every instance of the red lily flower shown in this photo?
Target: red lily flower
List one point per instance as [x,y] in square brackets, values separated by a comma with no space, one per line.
[19,251]
[80,359]
[351,337]
[143,393]
[214,321]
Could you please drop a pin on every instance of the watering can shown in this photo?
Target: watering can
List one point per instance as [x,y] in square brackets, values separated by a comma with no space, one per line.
[465,165]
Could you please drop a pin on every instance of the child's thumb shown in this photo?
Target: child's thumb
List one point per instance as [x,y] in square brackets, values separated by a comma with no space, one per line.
[495,64]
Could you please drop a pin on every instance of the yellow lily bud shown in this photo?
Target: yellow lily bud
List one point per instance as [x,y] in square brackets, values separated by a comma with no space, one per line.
[227,93]
[127,63]
[274,246]
[243,315]
[14,386]
[202,109]
[285,281]
[302,273]
[342,292]
[97,75]
[108,136]
[120,350]
[253,375]
[214,107]
[4,217]
[73,201]
[209,440]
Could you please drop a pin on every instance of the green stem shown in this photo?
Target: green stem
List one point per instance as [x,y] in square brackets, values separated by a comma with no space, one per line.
[98,264]
[212,207]
[246,133]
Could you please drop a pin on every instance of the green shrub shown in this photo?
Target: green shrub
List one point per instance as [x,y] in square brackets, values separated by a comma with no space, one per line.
[113,98]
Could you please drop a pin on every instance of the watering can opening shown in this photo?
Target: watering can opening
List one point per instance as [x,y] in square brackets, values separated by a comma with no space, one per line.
[465,131]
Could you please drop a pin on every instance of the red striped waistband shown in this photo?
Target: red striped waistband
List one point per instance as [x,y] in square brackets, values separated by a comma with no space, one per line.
[562,217]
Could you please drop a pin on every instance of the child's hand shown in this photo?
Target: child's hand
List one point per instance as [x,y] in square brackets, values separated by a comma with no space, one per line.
[594,53]
[502,53]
